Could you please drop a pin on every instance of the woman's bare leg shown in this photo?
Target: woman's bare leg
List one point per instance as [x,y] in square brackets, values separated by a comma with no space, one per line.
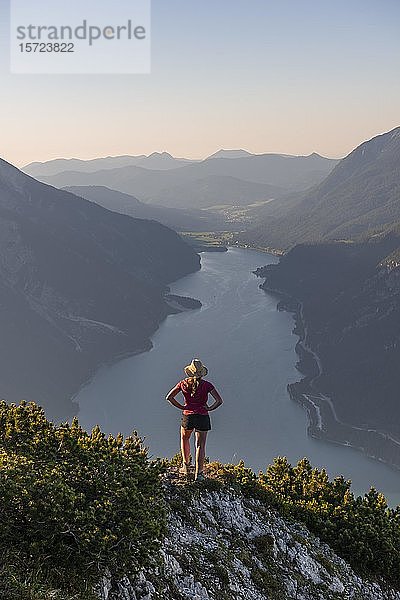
[185,444]
[201,438]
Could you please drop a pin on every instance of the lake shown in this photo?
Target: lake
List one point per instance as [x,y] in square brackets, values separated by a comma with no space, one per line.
[248,347]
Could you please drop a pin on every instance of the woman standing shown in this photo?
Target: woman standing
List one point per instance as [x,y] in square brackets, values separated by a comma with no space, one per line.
[195,416]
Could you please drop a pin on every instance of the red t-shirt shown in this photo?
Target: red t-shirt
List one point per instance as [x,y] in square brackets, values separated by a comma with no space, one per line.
[195,404]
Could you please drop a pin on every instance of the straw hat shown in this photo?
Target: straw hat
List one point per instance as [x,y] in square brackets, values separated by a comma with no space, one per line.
[196,369]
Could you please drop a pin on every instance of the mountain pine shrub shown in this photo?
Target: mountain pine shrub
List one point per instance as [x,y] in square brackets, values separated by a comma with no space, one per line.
[72,504]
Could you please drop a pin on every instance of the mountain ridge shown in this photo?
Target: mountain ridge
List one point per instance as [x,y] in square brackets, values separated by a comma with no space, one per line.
[142,530]
[340,275]
[175,187]
[175,218]
[346,297]
[58,165]
[361,194]
[57,330]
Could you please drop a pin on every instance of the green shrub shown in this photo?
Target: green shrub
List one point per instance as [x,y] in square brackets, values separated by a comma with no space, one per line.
[363,530]
[237,476]
[74,504]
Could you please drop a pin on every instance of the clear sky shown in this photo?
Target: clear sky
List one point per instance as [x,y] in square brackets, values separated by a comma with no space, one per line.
[285,76]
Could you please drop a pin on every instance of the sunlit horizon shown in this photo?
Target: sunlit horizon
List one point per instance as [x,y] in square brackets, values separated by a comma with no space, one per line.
[285,78]
[194,157]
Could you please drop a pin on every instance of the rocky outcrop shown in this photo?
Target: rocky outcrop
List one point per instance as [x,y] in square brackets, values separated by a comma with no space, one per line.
[223,546]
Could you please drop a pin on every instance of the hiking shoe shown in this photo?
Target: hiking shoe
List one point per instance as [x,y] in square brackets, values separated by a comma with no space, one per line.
[185,469]
[200,476]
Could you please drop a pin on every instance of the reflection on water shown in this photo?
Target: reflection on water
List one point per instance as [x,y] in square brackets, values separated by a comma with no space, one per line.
[249,350]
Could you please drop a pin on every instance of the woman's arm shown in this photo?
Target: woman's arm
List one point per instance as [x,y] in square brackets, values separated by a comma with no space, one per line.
[170,397]
[218,400]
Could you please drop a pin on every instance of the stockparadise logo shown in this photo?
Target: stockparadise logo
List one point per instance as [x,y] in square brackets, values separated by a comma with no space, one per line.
[80,36]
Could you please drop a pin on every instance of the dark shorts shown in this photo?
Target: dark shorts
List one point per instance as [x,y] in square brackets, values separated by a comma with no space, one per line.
[197,422]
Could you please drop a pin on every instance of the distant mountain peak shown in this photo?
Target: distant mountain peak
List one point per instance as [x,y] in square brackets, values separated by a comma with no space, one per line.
[395,133]
[223,153]
[372,149]
[160,155]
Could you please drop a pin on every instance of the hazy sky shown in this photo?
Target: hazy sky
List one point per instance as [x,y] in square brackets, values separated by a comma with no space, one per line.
[284,76]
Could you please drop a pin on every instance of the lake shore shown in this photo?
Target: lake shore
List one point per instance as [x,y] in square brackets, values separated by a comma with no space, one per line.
[323,422]
[229,333]
[266,249]
[176,304]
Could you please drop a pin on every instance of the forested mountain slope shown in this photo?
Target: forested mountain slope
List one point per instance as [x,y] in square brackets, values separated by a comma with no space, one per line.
[361,194]
[178,219]
[349,315]
[79,285]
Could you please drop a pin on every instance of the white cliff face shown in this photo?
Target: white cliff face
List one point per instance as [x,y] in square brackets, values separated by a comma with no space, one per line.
[222,546]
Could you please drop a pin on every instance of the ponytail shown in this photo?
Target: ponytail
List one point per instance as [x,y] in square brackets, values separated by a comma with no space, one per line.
[194,383]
